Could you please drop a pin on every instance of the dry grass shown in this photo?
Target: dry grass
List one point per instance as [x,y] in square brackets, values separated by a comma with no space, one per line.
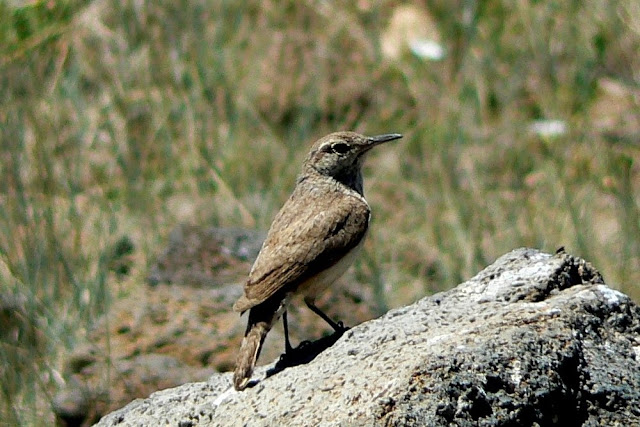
[121,119]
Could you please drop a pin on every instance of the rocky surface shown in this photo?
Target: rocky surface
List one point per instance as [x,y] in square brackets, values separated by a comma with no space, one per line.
[180,327]
[534,339]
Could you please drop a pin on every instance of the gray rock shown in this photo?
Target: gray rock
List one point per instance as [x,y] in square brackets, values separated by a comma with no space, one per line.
[205,257]
[534,339]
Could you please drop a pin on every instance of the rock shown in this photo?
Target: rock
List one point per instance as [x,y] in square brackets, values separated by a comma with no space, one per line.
[534,339]
[409,27]
[206,257]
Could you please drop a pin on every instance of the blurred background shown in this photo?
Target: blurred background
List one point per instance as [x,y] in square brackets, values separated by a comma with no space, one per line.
[122,119]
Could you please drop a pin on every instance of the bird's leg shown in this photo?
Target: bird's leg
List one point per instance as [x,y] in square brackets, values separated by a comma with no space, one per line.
[285,325]
[337,326]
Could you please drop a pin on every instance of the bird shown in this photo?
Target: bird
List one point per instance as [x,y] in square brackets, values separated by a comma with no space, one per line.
[312,241]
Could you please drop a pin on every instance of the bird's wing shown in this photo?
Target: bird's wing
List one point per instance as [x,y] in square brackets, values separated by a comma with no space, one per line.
[304,240]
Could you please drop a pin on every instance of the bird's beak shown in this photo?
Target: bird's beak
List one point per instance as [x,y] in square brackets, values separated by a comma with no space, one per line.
[379,139]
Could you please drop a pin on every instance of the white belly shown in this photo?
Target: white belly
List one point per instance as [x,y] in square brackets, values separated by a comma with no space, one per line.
[315,285]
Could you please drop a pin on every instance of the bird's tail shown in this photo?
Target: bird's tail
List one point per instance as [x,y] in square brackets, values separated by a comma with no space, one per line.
[261,320]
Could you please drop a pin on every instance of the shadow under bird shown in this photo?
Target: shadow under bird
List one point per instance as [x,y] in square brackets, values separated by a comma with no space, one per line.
[312,241]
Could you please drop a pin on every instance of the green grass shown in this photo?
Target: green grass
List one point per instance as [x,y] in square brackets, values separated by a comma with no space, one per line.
[121,119]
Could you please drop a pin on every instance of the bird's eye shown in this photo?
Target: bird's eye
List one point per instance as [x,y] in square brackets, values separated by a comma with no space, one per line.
[340,147]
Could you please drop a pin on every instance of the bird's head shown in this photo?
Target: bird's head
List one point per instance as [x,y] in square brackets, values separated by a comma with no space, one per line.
[339,155]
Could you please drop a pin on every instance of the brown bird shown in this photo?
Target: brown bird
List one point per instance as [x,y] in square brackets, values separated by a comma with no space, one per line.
[312,241]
